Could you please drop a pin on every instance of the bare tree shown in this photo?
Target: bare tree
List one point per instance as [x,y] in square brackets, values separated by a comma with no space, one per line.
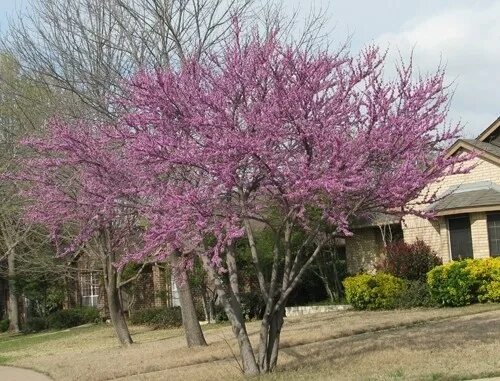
[86,48]
[23,107]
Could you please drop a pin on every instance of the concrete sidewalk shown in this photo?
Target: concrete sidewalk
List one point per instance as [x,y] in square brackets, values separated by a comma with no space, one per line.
[8,373]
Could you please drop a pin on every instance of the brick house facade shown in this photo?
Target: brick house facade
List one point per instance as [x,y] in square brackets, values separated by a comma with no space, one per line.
[467,222]
[153,288]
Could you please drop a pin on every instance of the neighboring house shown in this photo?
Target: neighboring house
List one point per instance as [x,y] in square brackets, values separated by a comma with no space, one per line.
[467,222]
[153,288]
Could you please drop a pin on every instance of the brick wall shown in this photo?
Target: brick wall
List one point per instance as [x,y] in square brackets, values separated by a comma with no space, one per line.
[362,249]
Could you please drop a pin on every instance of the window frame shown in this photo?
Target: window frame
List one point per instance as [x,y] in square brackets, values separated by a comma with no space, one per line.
[456,217]
[488,215]
[89,281]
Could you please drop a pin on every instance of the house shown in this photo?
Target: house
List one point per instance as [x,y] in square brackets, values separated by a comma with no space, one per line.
[467,214]
[154,287]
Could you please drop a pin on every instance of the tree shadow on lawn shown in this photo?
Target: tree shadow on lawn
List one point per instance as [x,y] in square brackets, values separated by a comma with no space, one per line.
[433,336]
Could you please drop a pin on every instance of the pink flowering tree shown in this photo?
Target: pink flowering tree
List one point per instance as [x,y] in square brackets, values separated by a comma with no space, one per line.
[76,182]
[319,137]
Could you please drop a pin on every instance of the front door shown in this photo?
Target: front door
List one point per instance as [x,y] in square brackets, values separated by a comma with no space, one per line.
[460,237]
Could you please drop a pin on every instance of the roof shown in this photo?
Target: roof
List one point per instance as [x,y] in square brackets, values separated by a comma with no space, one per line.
[487,151]
[459,199]
[489,130]
[487,147]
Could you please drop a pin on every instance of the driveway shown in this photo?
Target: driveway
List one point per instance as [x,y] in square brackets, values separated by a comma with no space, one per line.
[8,373]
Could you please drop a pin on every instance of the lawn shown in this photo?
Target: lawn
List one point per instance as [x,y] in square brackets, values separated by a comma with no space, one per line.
[420,344]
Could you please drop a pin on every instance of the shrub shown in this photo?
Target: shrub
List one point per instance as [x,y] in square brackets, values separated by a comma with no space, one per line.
[486,274]
[492,292]
[4,325]
[252,306]
[158,317]
[379,291]
[415,294]
[408,261]
[35,324]
[464,282]
[73,317]
[451,284]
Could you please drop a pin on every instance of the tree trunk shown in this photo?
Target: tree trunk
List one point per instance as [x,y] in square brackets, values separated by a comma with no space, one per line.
[274,338]
[270,333]
[115,306]
[192,328]
[328,289]
[208,306]
[233,311]
[13,308]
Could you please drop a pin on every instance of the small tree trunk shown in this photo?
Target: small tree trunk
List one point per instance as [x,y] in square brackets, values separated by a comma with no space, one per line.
[205,307]
[194,334]
[270,333]
[233,311]
[208,305]
[115,306]
[192,328]
[329,291]
[336,281]
[13,310]
[274,338]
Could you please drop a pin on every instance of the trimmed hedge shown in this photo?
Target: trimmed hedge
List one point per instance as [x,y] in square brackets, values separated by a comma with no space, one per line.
[464,282]
[379,291]
[73,317]
[158,317]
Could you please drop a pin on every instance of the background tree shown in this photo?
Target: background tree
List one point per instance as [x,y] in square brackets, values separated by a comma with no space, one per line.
[23,107]
[266,125]
[75,180]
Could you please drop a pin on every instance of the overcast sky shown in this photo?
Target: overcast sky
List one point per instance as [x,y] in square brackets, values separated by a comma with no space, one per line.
[465,35]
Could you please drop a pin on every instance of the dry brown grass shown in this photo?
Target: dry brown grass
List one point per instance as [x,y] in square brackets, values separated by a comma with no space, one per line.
[411,345]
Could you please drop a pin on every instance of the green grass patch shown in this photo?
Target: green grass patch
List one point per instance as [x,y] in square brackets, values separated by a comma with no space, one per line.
[9,342]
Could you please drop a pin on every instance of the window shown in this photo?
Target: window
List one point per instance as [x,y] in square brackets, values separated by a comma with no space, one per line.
[494,234]
[89,284]
[460,237]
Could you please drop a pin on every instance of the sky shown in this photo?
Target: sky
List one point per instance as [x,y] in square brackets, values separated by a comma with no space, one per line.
[464,35]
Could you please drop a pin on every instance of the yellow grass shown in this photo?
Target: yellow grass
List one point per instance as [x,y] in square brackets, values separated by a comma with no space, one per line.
[433,344]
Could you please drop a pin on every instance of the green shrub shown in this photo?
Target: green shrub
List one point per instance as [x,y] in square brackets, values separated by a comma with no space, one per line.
[492,293]
[415,294]
[464,282]
[73,317]
[35,324]
[158,317]
[252,306]
[4,325]
[486,274]
[408,261]
[220,314]
[379,291]
[452,284]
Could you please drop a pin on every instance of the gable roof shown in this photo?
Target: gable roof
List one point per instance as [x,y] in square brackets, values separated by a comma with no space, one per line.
[488,151]
[489,130]
[486,145]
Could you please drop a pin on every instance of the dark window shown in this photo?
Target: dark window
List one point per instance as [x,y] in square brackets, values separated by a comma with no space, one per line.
[460,237]
[494,234]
